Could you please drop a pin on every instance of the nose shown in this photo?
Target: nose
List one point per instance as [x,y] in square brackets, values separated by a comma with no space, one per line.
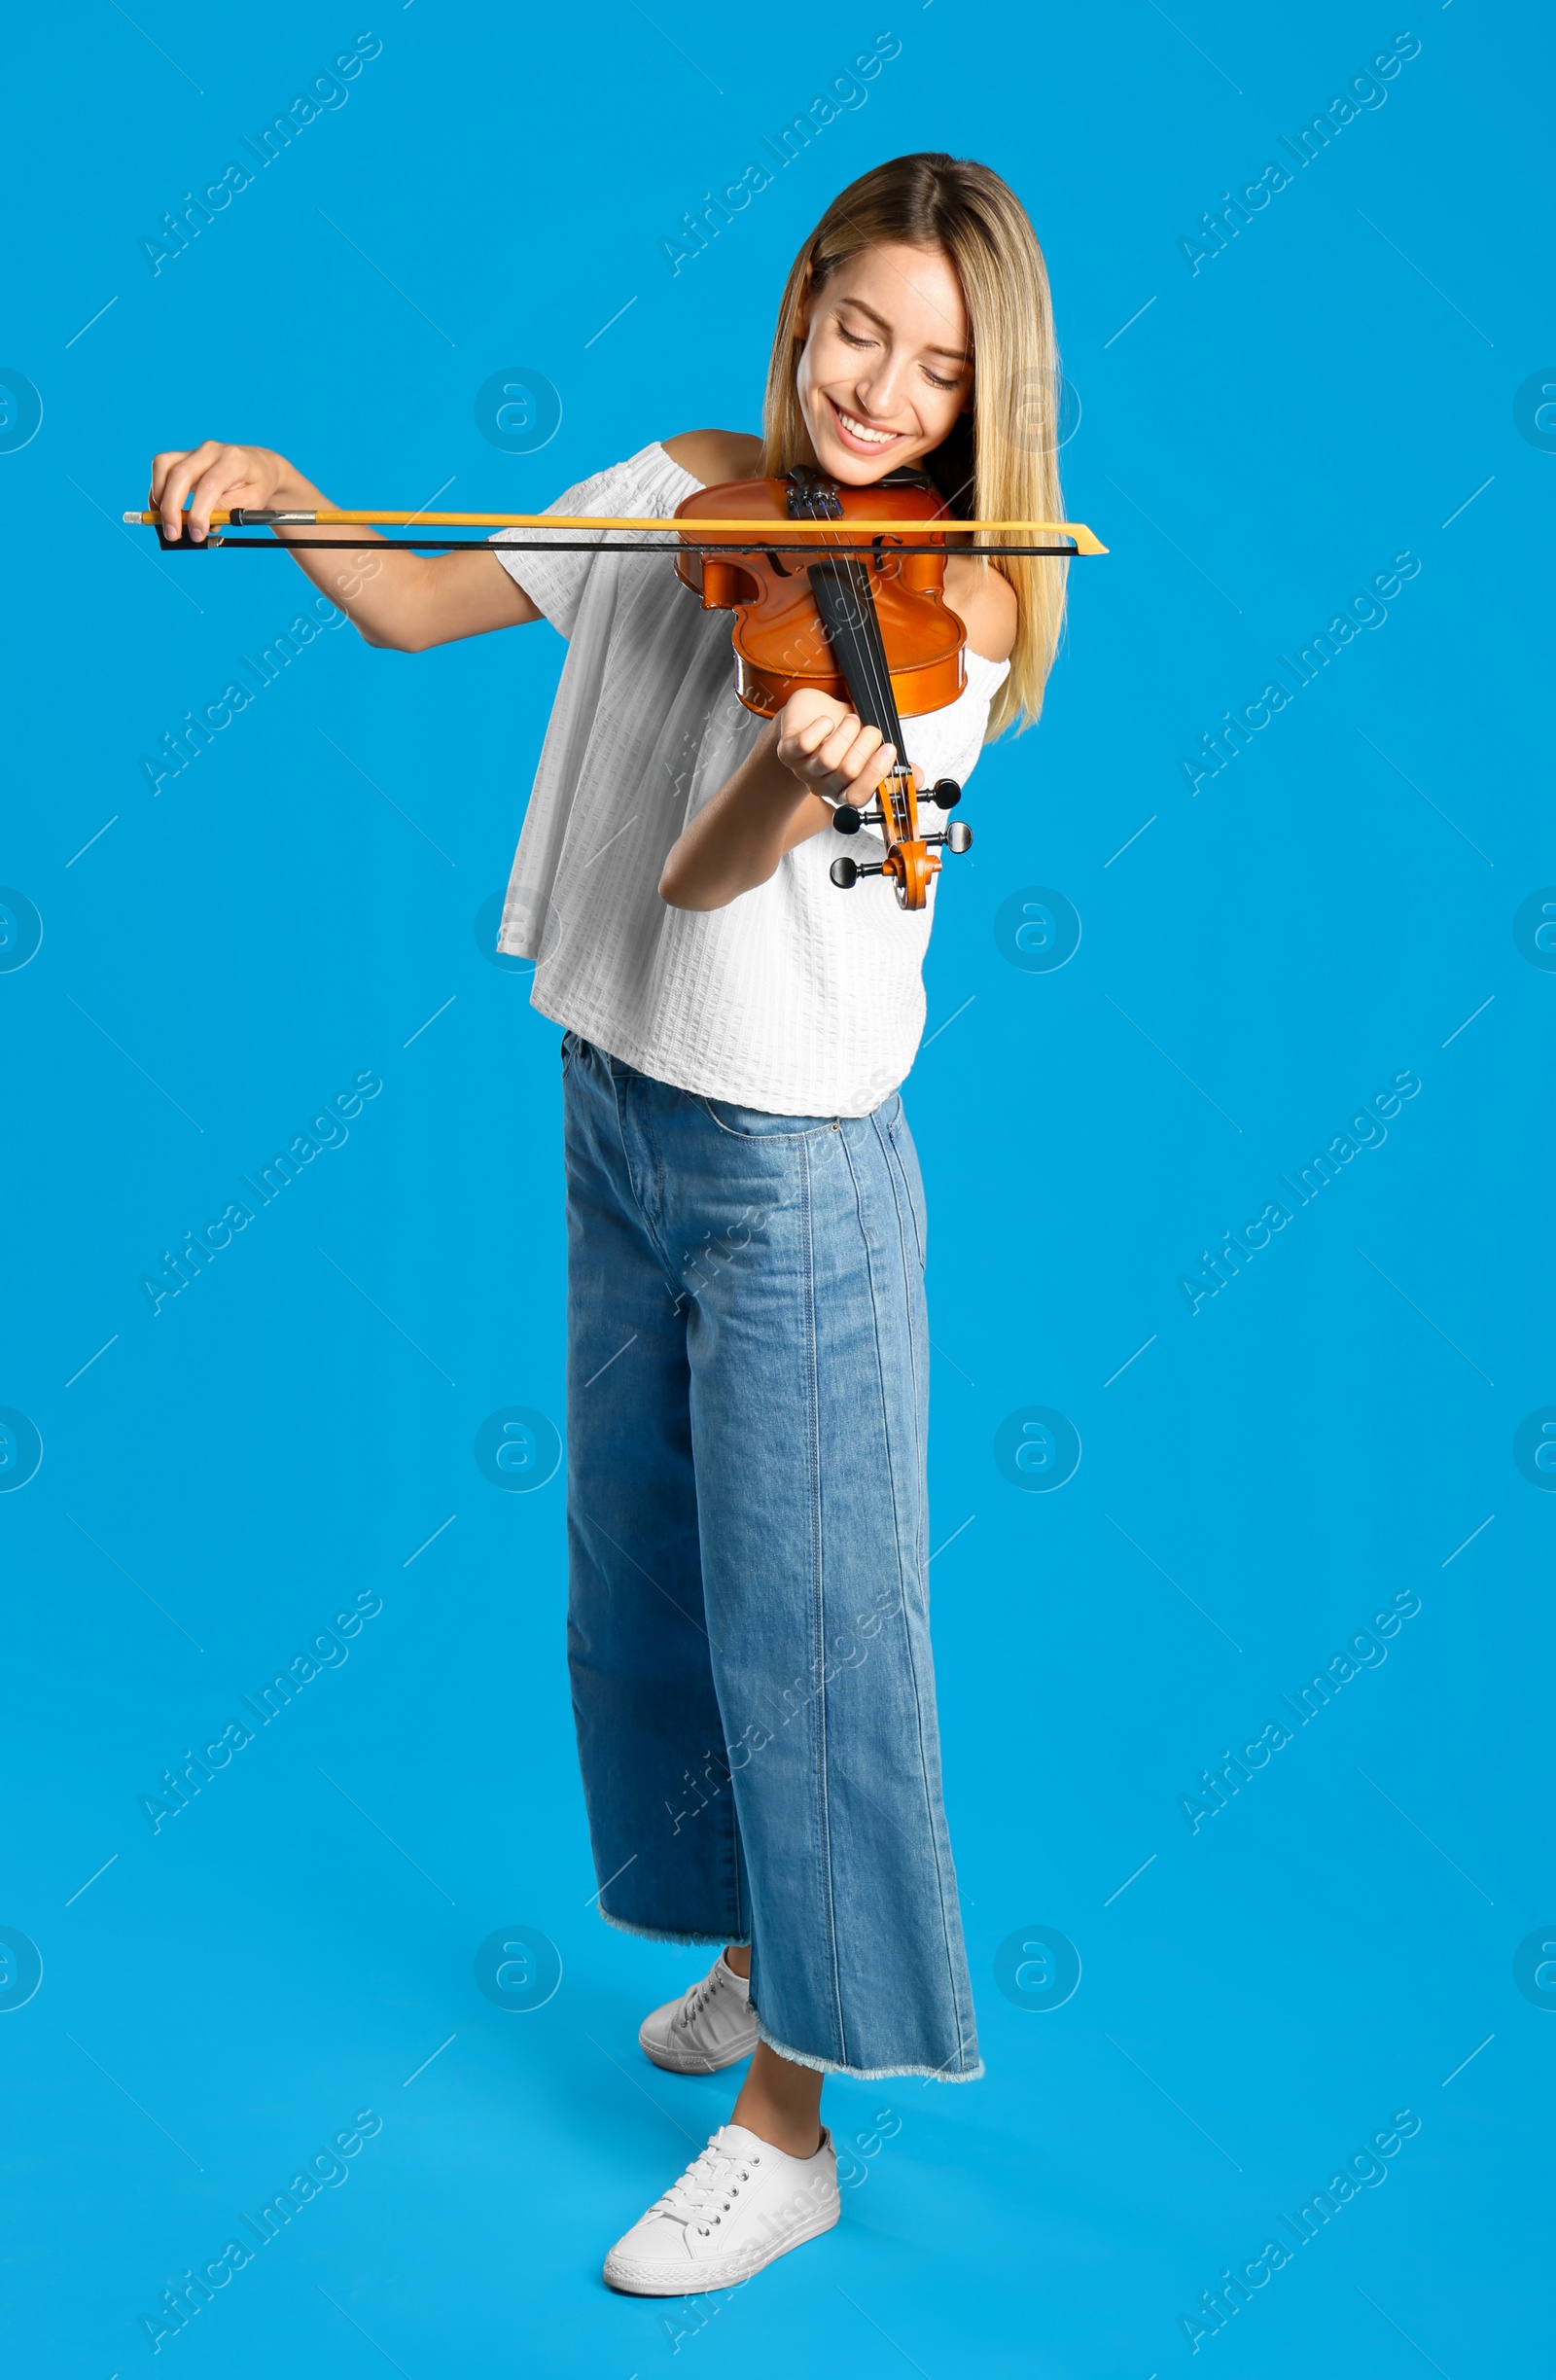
[880,391]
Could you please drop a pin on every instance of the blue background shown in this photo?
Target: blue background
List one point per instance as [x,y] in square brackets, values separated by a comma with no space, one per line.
[1340,385]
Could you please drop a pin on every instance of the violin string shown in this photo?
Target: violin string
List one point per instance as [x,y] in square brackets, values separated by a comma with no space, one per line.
[879,668]
[815,507]
[870,636]
[879,665]
[869,650]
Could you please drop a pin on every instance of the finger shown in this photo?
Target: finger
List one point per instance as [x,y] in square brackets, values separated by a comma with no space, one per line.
[845,742]
[186,469]
[861,765]
[815,738]
[228,481]
[161,465]
[861,772]
[801,752]
[873,767]
[807,706]
[211,490]
[201,504]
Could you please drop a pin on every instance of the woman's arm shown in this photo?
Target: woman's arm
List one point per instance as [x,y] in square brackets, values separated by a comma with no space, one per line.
[814,748]
[404,601]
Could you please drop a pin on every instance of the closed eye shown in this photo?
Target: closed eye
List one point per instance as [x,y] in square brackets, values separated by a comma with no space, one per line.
[854,340]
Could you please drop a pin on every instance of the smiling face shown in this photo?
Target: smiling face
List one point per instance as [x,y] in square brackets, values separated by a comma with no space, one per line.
[886,367]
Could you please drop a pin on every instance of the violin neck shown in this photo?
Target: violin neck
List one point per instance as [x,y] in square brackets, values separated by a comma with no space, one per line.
[847,607]
[846,602]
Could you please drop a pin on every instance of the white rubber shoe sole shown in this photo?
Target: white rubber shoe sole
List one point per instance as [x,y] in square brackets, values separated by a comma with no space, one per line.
[637,2277]
[673,2061]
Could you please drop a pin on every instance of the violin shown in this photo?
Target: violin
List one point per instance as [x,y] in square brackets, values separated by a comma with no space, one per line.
[868,624]
[866,621]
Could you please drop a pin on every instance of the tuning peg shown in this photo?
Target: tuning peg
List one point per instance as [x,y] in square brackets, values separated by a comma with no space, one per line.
[846,820]
[958,837]
[847,872]
[945,795]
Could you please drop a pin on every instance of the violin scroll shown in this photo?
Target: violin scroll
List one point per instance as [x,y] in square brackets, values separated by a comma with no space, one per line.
[907,864]
[957,838]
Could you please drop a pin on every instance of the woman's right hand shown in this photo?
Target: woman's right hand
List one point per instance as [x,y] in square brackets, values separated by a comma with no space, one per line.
[216,478]
[400,600]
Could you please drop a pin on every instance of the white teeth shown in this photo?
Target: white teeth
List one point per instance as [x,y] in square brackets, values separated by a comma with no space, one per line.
[874,437]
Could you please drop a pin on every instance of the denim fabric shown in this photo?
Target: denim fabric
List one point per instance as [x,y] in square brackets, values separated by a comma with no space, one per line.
[748,1630]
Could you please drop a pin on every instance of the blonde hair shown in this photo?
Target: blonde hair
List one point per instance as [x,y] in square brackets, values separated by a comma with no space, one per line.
[1005,466]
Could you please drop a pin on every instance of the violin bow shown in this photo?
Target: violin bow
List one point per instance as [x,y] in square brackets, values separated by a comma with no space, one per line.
[721,536]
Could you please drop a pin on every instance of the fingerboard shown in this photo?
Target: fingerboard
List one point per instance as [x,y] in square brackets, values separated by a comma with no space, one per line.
[847,606]
[846,603]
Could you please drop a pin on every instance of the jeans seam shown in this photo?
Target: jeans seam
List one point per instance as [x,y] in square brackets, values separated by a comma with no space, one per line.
[910,1664]
[818,1590]
[899,1169]
[655,1241]
[809,1134]
[907,1227]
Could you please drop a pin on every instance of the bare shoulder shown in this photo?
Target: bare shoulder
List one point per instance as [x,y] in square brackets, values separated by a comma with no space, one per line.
[714,456]
[985,603]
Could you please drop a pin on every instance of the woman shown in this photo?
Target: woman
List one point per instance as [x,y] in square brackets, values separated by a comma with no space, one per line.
[748,1353]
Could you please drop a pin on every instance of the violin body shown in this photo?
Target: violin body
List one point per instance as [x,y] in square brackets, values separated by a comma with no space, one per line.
[867,625]
[780,642]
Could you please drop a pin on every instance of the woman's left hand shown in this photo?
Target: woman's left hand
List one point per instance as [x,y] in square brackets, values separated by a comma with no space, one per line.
[827,748]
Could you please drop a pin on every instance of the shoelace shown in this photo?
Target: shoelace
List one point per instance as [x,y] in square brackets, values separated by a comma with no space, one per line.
[698,1999]
[706,2190]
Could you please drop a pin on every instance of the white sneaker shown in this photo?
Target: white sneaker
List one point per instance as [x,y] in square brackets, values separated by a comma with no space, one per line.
[712,2026]
[738,2204]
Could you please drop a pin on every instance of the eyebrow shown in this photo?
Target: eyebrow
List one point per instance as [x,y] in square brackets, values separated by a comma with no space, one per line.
[958,354]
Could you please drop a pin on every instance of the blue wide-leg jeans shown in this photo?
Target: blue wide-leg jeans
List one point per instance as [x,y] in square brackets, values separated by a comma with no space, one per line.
[748,1629]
